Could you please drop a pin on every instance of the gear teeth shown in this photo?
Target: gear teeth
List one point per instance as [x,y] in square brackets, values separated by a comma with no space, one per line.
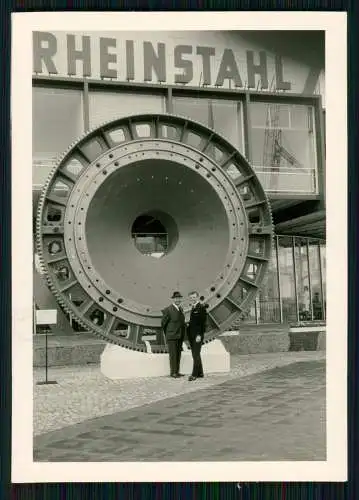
[51,177]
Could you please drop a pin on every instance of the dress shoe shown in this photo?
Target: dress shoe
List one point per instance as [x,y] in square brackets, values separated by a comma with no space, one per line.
[174,375]
[180,375]
[191,378]
[200,376]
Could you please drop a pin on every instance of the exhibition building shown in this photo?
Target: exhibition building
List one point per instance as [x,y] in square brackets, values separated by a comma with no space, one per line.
[261,94]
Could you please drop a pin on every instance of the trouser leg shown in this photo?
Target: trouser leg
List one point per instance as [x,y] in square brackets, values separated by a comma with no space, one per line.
[197,362]
[179,352]
[172,354]
[200,366]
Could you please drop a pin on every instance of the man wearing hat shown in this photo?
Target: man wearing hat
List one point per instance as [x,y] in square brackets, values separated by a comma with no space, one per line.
[173,324]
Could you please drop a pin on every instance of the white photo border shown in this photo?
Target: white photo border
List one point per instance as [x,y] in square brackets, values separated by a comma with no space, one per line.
[24,469]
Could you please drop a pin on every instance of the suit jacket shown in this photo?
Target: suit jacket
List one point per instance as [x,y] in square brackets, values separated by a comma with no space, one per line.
[197,322]
[173,323]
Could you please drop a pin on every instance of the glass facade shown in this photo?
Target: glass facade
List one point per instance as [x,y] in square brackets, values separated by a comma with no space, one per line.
[287,278]
[223,115]
[59,119]
[294,288]
[283,140]
[317,271]
[279,138]
[107,106]
[302,279]
[268,304]
[322,261]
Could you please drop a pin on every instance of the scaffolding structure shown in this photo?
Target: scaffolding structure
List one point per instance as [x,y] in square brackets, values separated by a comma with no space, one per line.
[274,151]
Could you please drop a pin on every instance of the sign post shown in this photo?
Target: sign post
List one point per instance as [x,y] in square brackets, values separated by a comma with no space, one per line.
[46,317]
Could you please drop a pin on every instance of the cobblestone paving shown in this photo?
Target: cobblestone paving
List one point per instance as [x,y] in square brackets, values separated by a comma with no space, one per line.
[83,392]
[274,415]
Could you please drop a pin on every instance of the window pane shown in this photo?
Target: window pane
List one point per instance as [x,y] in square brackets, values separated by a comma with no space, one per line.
[280,116]
[299,117]
[57,123]
[287,285]
[268,296]
[258,155]
[195,109]
[227,117]
[302,272]
[314,264]
[224,116]
[283,147]
[107,106]
[250,318]
[297,140]
[271,115]
[259,114]
[324,273]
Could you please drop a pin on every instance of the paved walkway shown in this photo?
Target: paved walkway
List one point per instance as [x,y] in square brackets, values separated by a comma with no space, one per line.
[83,392]
[273,415]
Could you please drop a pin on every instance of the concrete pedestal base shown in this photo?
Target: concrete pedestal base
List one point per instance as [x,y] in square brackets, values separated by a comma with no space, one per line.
[120,363]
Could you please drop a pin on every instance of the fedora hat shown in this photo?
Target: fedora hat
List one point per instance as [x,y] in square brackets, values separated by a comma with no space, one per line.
[176,295]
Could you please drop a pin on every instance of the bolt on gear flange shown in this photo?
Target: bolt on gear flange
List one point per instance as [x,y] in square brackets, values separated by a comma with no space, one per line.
[217,216]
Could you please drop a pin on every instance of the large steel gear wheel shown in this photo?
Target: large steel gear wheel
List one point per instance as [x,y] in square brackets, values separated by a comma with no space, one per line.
[202,190]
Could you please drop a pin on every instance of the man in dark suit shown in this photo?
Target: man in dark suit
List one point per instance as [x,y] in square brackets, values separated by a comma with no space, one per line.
[173,325]
[195,333]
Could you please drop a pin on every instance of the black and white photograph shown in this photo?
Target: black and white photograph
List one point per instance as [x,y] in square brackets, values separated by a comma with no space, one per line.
[179,215]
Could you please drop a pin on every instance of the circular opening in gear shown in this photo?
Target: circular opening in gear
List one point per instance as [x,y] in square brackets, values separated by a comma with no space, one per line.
[154,233]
